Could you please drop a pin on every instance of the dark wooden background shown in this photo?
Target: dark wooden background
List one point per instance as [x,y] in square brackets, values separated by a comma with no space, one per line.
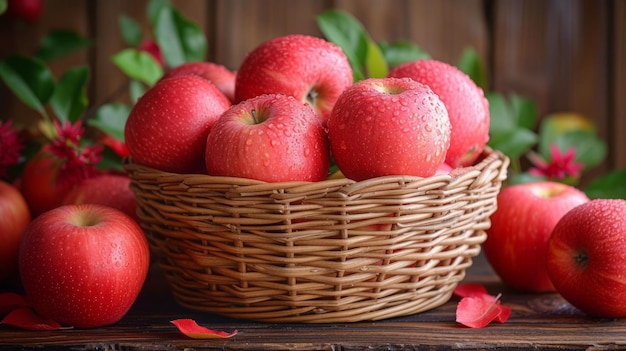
[567,55]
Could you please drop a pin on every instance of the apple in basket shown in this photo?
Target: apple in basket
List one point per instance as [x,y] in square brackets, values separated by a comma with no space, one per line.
[517,241]
[388,126]
[586,257]
[168,126]
[83,265]
[310,69]
[220,76]
[467,106]
[272,138]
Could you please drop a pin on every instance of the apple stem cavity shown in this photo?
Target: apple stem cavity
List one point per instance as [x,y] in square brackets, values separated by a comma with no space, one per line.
[582,259]
[85,219]
[311,97]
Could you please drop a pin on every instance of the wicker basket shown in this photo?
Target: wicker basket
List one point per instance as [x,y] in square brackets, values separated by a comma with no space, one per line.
[330,251]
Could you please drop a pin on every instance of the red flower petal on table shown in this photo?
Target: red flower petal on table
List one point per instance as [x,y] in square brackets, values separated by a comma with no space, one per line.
[477,308]
[10,301]
[190,328]
[26,318]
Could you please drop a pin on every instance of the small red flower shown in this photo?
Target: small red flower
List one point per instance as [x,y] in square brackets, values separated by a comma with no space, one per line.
[78,162]
[559,167]
[10,147]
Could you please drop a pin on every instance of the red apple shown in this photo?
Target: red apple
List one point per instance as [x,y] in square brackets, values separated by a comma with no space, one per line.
[272,138]
[40,183]
[220,76]
[388,126]
[107,189]
[312,70]
[83,265]
[168,126]
[15,217]
[518,238]
[467,106]
[586,257]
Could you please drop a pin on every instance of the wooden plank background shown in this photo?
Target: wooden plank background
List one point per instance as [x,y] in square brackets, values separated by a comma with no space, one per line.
[567,55]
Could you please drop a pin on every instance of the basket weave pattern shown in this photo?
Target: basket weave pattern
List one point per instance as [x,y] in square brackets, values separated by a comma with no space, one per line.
[330,251]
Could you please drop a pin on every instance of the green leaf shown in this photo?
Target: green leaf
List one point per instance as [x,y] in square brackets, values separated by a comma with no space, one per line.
[609,186]
[130,29]
[179,39]
[69,99]
[470,64]
[501,116]
[138,65]
[524,110]
[136,90]
[589,149]
[375,61]
[111,119]
[60,43]
[400,52]
[153,8]
[29,79]
[515,142]
[3,6]
[348,33]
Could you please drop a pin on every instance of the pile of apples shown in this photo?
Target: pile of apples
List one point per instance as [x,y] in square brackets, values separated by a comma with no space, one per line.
[292,109]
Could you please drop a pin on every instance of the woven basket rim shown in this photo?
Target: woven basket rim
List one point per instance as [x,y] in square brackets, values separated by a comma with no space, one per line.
[487,157]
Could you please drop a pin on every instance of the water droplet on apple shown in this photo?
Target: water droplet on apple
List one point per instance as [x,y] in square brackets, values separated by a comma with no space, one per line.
[249,142]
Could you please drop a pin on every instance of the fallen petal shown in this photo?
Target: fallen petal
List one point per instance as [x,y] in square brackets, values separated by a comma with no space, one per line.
[477,311]
[26,318]
[190,328]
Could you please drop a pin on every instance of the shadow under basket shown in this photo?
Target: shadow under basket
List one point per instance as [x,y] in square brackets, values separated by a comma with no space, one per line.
[329,251]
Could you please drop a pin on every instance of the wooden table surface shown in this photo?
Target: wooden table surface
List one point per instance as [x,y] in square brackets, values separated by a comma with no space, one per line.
[538,321]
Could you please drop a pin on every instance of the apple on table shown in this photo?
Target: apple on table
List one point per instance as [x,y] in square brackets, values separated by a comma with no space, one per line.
[586,257]
[14,218]
[517,240]
[83,265]
[108,189]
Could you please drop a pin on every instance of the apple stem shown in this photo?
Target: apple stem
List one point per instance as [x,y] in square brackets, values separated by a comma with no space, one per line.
[254,117]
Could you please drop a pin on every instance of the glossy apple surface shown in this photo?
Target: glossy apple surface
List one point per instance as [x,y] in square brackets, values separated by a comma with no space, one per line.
[219,75]
[83,265]
[311,69]
[272,138]
[14,218]
[517,241]
[168,126]
[111,190]
[467,106]
[586,257]
[388,126]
